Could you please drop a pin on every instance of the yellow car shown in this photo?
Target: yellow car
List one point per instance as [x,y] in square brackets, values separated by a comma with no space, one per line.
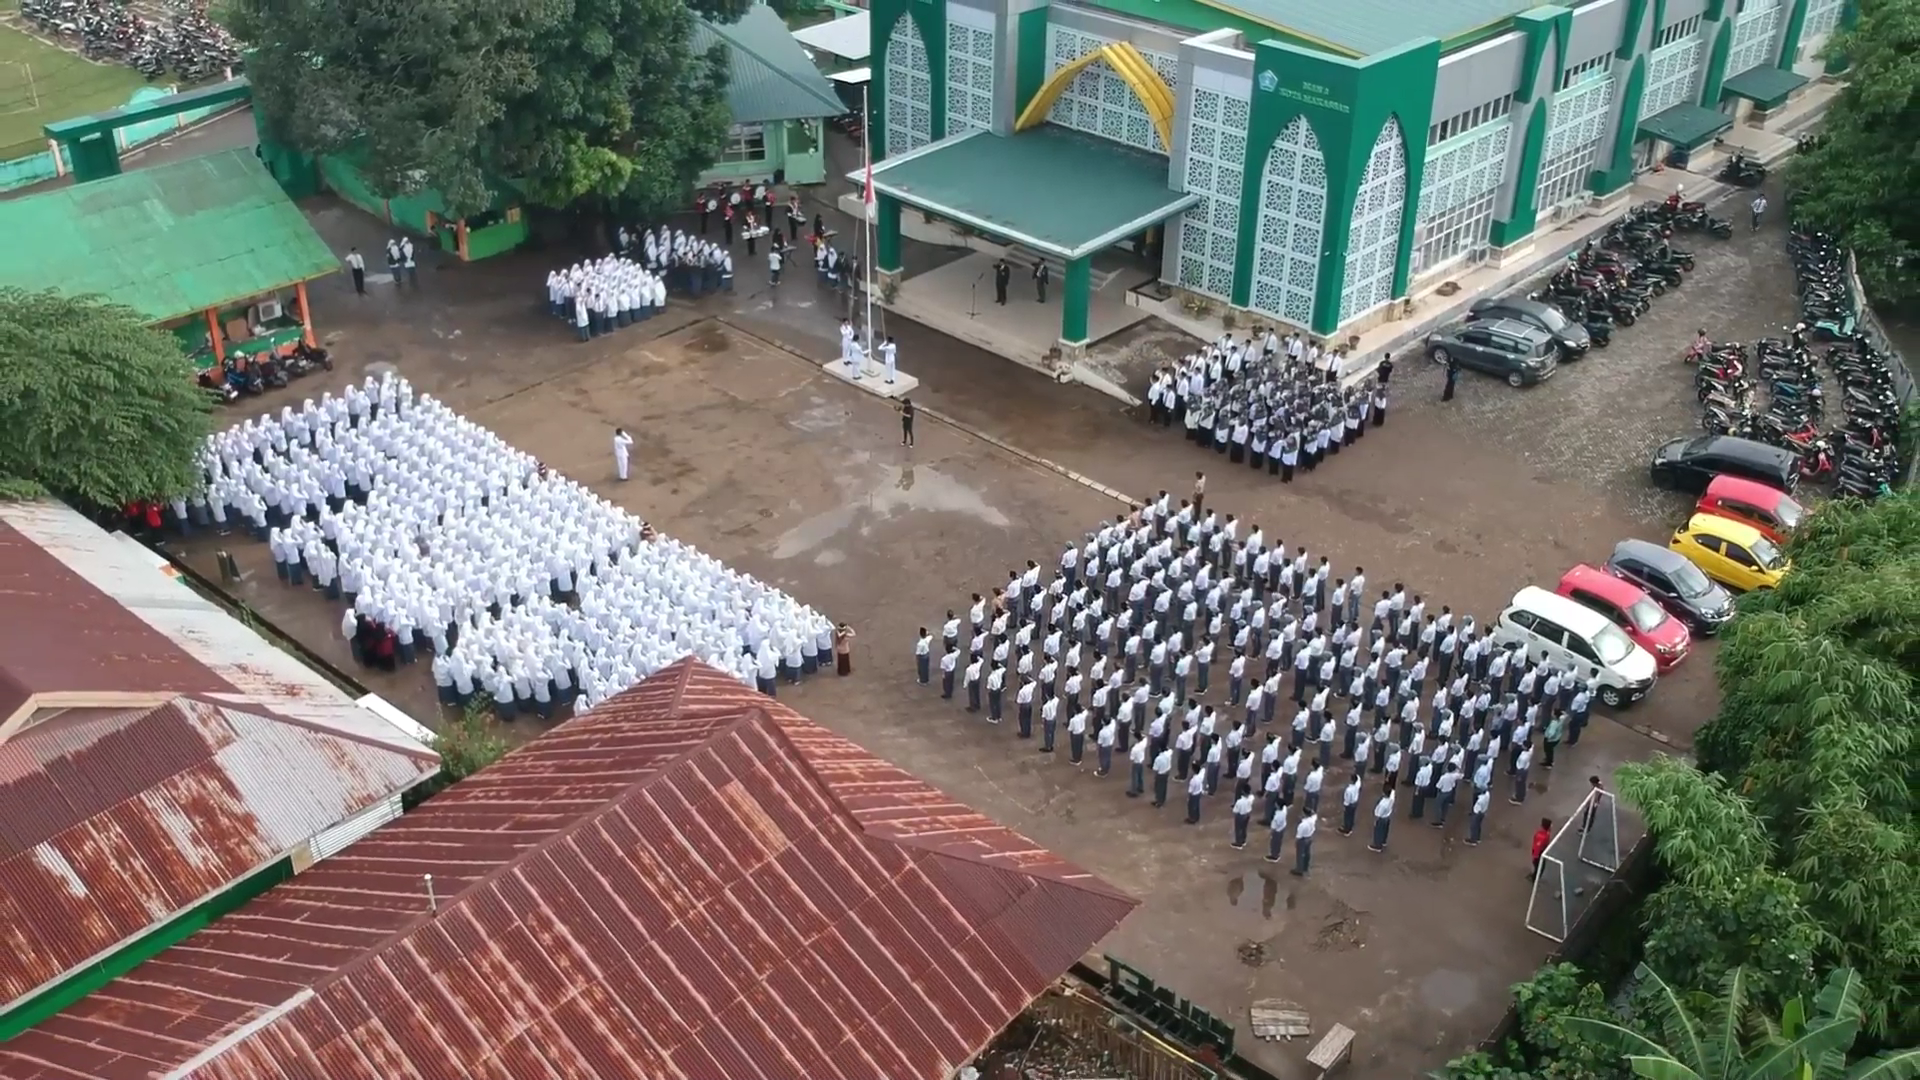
[1732,553]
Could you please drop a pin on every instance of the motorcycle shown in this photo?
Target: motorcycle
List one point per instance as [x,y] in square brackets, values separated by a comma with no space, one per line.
[1742,171]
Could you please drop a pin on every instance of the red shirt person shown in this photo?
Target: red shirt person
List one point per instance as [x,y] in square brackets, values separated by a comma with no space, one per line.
[1541,838]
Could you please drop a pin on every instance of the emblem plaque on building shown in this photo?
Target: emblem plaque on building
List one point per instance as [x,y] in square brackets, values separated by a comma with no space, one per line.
[1268,80]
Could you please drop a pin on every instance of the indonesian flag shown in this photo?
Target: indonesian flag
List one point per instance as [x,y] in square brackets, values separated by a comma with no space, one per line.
[867,155]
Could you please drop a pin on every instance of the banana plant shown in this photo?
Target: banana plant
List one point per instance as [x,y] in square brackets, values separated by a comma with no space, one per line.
[1721,1038]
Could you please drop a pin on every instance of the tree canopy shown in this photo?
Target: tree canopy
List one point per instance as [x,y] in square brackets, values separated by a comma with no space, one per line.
[1858,181]
[567,99]
[1792,847]
[95,405]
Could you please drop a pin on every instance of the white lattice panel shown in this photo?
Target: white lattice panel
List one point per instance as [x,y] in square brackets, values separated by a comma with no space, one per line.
[1670,73]
[1753,35]
[1458,189]
[1373,243]
[1293,211]
[909,97]
[1216,156]
[1575,124]
[1098,101]
[969,78]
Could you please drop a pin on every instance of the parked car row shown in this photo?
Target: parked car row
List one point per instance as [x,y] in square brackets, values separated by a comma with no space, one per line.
[1635,618]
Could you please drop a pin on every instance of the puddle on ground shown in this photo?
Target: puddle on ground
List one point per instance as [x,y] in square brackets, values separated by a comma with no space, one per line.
[899,490]
[1267,882]
[710,339]
[1449,991]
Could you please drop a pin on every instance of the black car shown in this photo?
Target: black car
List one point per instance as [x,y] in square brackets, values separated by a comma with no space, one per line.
[1690,464]
[1673,580]
[1572,338]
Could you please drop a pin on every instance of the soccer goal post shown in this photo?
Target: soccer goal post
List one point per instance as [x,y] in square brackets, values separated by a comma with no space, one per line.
[1583,854]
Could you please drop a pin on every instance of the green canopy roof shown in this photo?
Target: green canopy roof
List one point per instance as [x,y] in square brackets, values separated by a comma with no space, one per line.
[169,241]
[1049,189]
[769,77]
[1688,126]
[1765,86]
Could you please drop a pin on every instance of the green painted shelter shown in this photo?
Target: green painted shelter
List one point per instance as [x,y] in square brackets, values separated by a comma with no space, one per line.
[186,243]
[778,100]
[1078,194]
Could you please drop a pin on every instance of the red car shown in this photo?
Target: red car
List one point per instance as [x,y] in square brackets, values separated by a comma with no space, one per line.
[1768,509]
[1631,609]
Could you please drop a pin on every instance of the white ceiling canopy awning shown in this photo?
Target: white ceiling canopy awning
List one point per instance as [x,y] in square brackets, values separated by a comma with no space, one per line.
[846,38]
[854,77]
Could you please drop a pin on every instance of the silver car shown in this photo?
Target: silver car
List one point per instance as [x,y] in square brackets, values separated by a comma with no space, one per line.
[1515,351]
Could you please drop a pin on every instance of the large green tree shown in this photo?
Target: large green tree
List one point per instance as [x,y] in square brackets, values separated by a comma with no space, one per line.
[572,99]
[95,405]
[1859,182]
[1818,728]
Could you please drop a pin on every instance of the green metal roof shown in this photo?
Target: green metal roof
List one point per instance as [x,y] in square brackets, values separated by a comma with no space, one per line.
[1689,126]
[168,241]
[1049,189]
[769,77]
[1765,86]
[1364,27]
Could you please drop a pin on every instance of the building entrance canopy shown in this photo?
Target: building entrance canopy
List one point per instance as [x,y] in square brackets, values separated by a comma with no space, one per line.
[1050,190]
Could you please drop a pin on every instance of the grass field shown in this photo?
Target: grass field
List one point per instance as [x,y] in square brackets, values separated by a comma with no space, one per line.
[40,85]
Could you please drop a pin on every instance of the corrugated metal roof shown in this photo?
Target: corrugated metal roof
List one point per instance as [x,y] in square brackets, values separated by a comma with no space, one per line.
[769,77]
[167,241]
[690,882]
[60,634]
[111,822]
[93,610]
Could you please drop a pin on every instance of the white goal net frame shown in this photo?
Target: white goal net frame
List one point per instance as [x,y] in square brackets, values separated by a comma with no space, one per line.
[1591,837]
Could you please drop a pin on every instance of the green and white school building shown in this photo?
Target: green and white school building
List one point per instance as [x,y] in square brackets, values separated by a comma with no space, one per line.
[1310,161]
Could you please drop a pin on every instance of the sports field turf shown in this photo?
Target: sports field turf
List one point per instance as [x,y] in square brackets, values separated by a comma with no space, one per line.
[40,85]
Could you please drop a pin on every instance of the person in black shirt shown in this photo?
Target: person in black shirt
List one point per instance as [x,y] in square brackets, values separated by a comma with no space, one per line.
[906,421]
[1002,273]
[1385,370]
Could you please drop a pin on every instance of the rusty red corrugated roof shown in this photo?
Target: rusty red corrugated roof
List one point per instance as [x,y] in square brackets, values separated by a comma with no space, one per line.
[114,821]
[690,882]
[60,634]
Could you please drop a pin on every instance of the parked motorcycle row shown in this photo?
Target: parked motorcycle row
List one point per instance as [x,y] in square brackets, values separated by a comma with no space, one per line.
[250,376]
[1868,440]
[188,43]
[1613,280]
[1856,454]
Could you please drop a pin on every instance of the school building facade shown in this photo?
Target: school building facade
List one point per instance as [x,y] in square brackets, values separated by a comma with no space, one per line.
[1321,159]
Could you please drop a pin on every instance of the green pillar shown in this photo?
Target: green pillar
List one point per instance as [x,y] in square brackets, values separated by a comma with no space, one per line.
[1717,65]
[93,157]
[1790,40]
[886,234]
[1546,31]
[1518,224]
[1616,171]
[1849,16]
[1074,299]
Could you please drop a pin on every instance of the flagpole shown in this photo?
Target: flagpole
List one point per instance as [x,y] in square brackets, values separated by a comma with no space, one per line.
[867,203]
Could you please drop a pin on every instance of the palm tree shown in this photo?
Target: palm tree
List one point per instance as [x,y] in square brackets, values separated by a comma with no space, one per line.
[1721,1038]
